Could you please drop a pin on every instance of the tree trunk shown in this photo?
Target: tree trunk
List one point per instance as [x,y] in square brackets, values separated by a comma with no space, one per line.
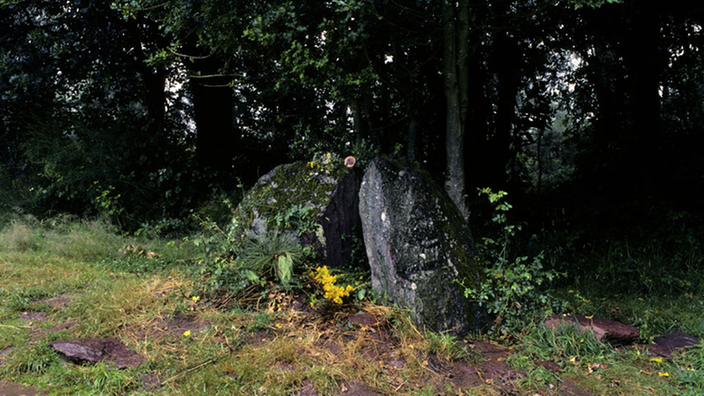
[453,49]
[155,84]
[507,61]
[213,107]
[463,61]
[356,120]
[644,61]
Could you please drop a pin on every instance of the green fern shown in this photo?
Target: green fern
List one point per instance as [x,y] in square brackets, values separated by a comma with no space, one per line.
[270,253]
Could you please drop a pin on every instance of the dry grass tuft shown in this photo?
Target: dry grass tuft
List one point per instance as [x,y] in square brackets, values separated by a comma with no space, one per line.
[20,237]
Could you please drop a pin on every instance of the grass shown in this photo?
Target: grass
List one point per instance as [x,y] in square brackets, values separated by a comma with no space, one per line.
[75,279]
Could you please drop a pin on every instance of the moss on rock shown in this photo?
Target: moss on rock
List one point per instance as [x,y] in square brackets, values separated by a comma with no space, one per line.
[316,199]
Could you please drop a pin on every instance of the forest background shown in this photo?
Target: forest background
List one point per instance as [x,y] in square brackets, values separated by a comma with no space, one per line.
[588,113]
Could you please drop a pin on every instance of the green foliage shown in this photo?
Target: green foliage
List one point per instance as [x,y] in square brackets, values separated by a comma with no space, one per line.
[252,351]
[577,4]
[271,253]
[11,196]
[33,358]
[690,369]
[297,218]
[107,380]
[514,288]
[565,342]
[655,266]
[20,237]
[324,164]
[108,200]
[447,347]
[89,241]
[234,259]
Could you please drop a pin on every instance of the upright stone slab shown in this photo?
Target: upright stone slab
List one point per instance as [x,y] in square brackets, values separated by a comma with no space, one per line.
[418,245]
[329,195]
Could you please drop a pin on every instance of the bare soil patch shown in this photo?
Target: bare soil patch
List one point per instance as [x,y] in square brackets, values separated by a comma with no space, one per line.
[4,353]
[171,326]
[32,316]
[58,302]
[15,389]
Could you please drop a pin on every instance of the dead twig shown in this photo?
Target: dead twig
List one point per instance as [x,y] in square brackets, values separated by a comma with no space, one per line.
[194,368]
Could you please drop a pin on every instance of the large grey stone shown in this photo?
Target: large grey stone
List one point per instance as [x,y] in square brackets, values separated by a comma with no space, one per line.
[418,246]
[329,195]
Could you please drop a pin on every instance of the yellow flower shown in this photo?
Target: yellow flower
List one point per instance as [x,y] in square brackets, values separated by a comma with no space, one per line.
[665,374]
[656,360]
[332,292]
[187,333]
[195,298]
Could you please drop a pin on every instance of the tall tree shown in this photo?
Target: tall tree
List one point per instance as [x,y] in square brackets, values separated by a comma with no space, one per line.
[456,73]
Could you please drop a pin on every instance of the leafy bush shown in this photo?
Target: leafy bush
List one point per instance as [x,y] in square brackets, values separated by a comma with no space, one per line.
[233,259]
[511,290]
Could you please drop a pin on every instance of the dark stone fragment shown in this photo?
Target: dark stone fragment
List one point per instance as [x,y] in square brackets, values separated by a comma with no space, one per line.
[96,350]
[32,315]
[615,333]
[569,388]
[501,372]
[549,365]
[676,340]
[364,319]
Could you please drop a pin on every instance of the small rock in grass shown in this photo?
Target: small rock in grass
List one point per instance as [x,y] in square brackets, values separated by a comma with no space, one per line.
[96,350]
[615,333]
[673,341]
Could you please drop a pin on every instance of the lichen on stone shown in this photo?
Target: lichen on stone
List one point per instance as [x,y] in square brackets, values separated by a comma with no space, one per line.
[266,199]
[418,244]
[313,199]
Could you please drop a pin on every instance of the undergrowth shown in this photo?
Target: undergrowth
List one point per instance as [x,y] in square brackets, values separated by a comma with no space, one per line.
[515,288]
[152,294]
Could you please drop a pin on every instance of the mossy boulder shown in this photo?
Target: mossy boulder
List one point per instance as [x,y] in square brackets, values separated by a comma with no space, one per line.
[318,200]
[418,245]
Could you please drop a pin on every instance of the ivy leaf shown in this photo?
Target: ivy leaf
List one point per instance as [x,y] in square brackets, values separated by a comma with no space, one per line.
[284,269]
